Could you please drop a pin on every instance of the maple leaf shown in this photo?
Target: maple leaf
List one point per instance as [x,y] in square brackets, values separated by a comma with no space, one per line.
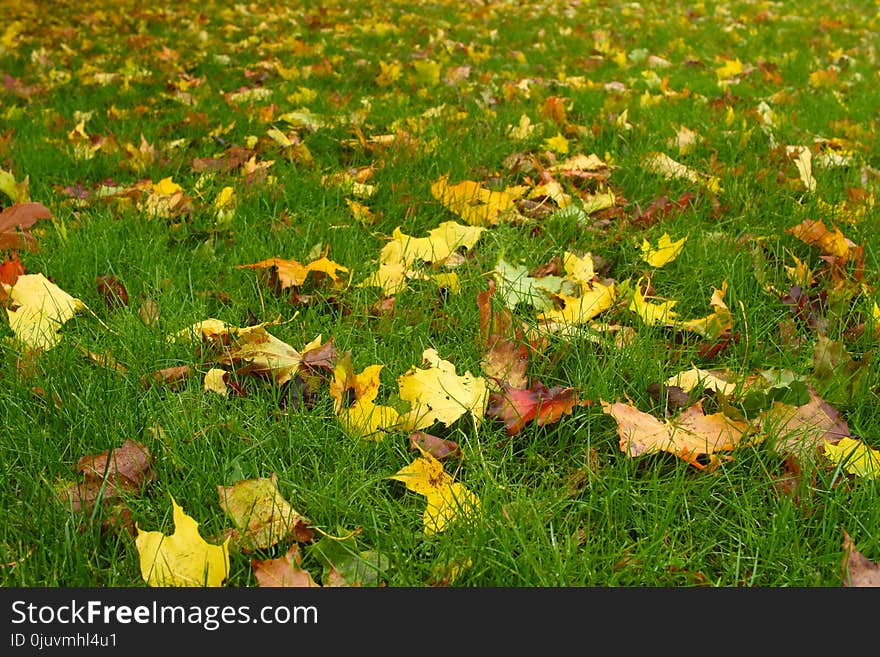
[403,252]
[516,407]
[665,252]
[515,287]
[291,273]
[690,436]
[592,299]
[855,457]
[660,163]
[802,157]
[800,429]
[354,401]
[183,558]
[260,351]
[438,394]
[18,192]
[262,517]
[345,564]
[447,499]
[701,379]
[858,570]
[16,219]
[283,572]
[437,447]
[711,326]
[477,205]
[41,308]
[107,477]
[831,242]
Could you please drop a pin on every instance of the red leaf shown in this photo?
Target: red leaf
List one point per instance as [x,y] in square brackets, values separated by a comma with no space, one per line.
[437,447]
[11,269]
[517,407]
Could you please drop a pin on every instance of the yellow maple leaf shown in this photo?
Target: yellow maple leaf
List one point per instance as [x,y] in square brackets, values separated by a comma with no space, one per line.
[857,457]
[650,313]
[400,256]
[662,164]
[593,299]
[477,205]
[262,352]
[293,274]
[18,192]
[803,157]
[215,381]
[665,252]
[41,307]
[698,378]
[557,143]
[354,401]
[261,515]
[730,69]
[662,313]
[183,558]
[447,499]
[438,394]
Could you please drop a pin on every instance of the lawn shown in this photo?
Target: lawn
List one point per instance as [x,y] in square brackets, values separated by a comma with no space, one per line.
[461,294]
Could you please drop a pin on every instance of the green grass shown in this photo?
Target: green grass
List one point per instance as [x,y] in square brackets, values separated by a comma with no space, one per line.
[561,504]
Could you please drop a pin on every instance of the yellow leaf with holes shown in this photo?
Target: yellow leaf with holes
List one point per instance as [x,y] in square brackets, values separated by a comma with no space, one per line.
[447,499]
[856,457]
[183,558]
[40,309]
[665,252]
[438,394]
[261,515]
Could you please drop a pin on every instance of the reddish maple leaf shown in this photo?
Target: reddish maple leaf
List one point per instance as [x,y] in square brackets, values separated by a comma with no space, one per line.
[519,406]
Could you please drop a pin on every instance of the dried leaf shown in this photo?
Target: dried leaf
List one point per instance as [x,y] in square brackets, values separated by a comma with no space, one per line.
[858,570]
[262,517]
[283,572]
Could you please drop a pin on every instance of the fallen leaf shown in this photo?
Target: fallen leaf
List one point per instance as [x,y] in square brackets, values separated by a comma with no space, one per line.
[690,436]
[800,430]
[447,499]
[16,219]
[477,205]
[831,242]
[665,252]
[41,309]
[438,394]
[660,163]
[291,273]
[516,407]
[112,291]
[283,572]
[855,457]
[215,381]
[858,570]
[183,558]
[354,401]
[262,517]
[437,447]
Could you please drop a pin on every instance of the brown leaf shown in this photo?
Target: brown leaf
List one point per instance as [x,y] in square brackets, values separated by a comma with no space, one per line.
[799,429]
[149,312]
[321,357]
[173,376]
[112,291]
[517,407]
[437,447]
[16,219]
[689,436]
[106,478]
[857,569]
[283,572]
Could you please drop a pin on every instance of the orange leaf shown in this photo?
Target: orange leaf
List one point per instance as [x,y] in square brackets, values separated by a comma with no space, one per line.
[517,407]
